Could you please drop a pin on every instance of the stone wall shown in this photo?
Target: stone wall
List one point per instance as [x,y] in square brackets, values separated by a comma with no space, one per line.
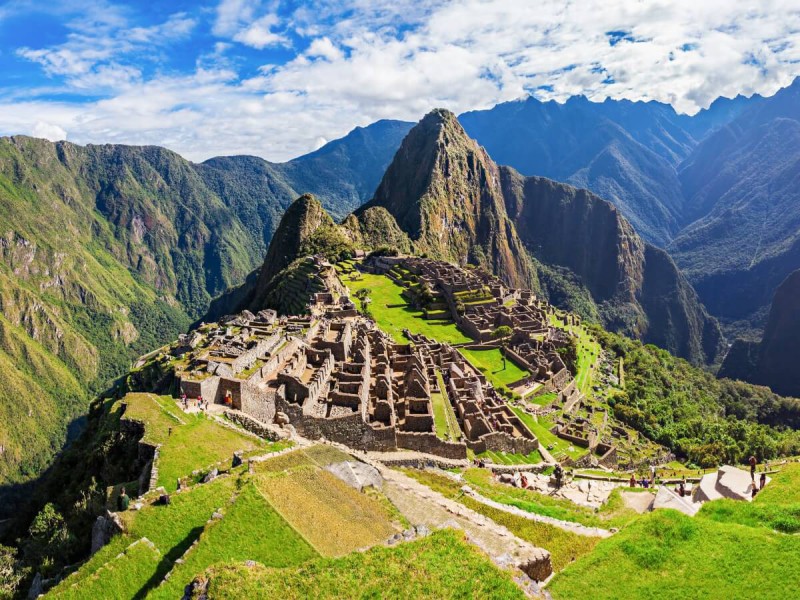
[258,404]
[429,443]
[207,388]
[257,427]
[500,441]
[350,430]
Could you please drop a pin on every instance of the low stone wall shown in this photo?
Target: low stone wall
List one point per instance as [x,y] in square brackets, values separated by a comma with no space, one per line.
[262,430]
[430,444]
[499,441]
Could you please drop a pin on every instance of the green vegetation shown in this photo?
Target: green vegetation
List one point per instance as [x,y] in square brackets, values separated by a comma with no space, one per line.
[564,546]
[498,371]
[703,419]
[612,514]
[393,314]
[668,552]
[441,565]
[541,429]
[188,441]
[444,416]
[784,487]
[121,577]
[505,458]
[249,530]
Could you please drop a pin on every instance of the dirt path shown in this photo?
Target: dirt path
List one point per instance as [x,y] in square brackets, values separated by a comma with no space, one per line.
[421,505]
[576,528]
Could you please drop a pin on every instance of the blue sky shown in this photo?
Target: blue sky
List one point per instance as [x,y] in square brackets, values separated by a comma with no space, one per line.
[278,79]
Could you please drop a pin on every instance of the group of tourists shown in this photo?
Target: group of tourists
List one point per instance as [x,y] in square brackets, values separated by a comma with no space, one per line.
[187,402]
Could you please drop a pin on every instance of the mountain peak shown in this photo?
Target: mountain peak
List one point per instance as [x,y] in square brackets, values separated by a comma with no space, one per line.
[444,192]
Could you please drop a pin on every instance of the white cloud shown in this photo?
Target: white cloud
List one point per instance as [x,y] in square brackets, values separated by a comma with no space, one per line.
[48,131]
[364,60]
[259,33]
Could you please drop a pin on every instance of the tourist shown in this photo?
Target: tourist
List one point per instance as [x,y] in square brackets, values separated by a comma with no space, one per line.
[123,501]
[653,474]
[762,481]
[681,489]
[753,463]
[199,401]
[755,490]
[632,482]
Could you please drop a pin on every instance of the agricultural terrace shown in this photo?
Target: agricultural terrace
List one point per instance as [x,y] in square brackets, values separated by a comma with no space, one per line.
[188,441]
[490,363]
[564,546]
[393,314]
[441,565]
[540,427]
[588,353]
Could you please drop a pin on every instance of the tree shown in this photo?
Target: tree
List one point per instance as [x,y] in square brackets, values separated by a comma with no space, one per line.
[502,333]
[10,574]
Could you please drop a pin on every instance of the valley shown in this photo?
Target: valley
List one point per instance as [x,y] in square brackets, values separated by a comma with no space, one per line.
[273,453]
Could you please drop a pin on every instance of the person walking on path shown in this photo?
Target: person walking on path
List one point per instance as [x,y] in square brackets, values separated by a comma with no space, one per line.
[753,463]
[762,481]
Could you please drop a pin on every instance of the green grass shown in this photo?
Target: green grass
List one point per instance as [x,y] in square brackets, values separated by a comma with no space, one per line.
[490,363]
[588,352]
[333,517]
[195,443]
[172,529]
[564,546]
[667,554]
[542,399]
[784,487]
[443,415]
[542,431]
[392,313]
[612,514]
[249,530]
[505,458]
[441,565]
[121,577]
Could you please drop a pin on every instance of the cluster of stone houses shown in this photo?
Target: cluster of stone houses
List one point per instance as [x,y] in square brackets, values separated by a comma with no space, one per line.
[333,374]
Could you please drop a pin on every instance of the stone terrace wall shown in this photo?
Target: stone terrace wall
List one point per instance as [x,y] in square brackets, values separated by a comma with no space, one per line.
[429,443]
[258,404]
[350,430]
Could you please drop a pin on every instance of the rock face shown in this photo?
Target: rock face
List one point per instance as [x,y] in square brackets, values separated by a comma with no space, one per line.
[773,361]
[444,192]
[456,204]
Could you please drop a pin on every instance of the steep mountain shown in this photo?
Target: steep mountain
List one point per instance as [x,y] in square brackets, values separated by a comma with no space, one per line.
[455,203]
[742,186]
[444,192]
[108,251]
[636,286]
[343,174]
[773,361]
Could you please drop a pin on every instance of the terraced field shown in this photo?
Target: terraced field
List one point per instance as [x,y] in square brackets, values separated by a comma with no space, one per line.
[188,441]
[441,566]
[333,517]
[393,314]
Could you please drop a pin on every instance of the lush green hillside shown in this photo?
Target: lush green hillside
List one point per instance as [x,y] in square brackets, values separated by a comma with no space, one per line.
[705,420]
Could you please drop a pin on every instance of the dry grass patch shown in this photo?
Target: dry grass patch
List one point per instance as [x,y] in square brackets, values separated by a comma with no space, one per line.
[334,518]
